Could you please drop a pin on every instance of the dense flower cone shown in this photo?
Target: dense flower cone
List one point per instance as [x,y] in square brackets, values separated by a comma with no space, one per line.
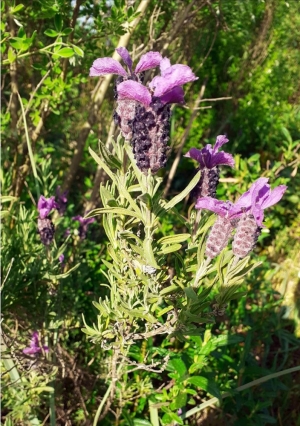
[151,128]
[245,238]
[143,113]
[209,160]
[46,230]
[218,237]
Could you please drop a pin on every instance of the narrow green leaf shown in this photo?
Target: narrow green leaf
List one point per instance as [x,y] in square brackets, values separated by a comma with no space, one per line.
[170,249]
[172,239]
[102,164]
[184,193]
[115,211]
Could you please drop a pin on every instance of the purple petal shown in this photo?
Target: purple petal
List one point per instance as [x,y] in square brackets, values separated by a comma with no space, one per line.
[89,220]
[222,158]
[175,96]
[258,214]
[45,205]
[31,350]
[220,207]
[123,52]
[61,258]
[203,156]
[164,65]
[103,66]
[148,61]
[221,139]
[176,75]
[133,90]
[79,218]
[275,195]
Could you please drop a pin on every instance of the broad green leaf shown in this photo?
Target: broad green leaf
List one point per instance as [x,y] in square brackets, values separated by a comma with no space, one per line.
[148,253]
[65,52]
[78,51]
[206,384]
[51,33]
[177,365]
[16,8]
[66,32]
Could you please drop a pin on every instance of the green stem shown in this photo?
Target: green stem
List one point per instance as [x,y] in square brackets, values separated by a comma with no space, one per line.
[30,149]
[256,382]
[104,399]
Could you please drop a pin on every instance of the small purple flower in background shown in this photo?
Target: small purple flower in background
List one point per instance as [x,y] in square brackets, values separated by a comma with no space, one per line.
[209,160]
[45,225]
[61,200]
[45,205]
[246,215]
[61,258]
[125,110]
[34,346]
[151,123]
[83,227]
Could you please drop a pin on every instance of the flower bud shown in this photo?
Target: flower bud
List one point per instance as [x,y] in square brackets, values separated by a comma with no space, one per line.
[218,237]
[46,230]
[245,238]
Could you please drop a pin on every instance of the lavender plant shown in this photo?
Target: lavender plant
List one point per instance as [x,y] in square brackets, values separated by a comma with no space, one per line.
[164,285]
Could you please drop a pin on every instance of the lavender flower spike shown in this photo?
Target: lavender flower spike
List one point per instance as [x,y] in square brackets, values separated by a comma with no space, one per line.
[260,196]
[83,227]
[45,225]
[228,215]
[125,110]
[151,123]
[209,160]
[34,346]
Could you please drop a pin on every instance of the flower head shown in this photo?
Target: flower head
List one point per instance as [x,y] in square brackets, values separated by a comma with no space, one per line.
[209,157]
[61,200]
[103,66]
[61,258]
[209,160]
[166,87]
[45,205]
[34,346]
[259,197]
[83,227]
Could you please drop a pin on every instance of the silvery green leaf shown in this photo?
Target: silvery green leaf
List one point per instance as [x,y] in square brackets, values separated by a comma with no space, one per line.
[184,193]
[170,249]
[172,239]
[102,164]
[111,160]
[114,210]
